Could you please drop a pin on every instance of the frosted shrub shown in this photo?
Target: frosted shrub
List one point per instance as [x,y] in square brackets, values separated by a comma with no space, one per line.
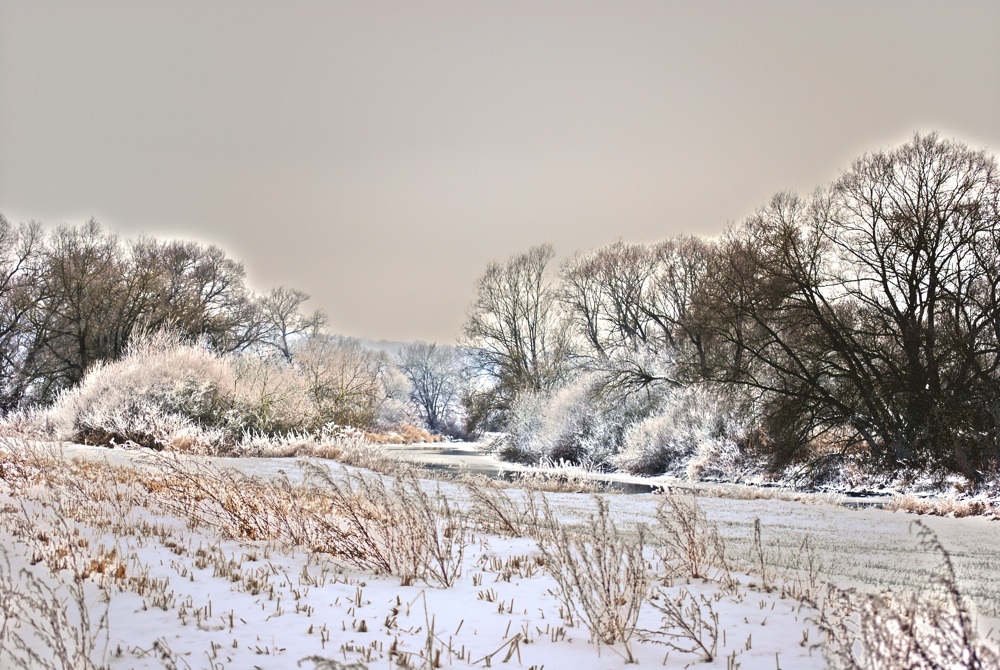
[524,422]
[601,575]
[160,390]
[395,409]
[575,424]
[166,394]
[580,427]
[268,397]
[696,430]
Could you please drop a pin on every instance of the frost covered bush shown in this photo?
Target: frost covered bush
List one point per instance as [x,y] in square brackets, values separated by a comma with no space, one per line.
[579,424]
[162,391]
[169,394]
[697,430]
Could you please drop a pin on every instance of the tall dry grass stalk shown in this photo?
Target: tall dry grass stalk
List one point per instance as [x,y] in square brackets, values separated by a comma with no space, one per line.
[396,528]
[690,624]
[602,577]
[928,630]
[494,511]
[691,544]
[48,627]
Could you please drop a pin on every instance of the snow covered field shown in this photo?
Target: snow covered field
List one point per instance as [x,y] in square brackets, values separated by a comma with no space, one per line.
[161,581]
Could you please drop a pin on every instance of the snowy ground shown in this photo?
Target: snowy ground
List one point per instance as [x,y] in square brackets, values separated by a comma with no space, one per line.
[184,596]
[861,544]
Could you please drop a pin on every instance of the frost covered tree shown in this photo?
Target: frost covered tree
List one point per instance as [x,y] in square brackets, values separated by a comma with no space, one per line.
[75,296]
[283,321]
[434,373]
[514,330]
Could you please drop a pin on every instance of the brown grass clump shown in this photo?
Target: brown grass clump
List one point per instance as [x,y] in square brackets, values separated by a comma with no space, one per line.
[556,482]
[387,527]
[949,506]
[393,526]
[404,434]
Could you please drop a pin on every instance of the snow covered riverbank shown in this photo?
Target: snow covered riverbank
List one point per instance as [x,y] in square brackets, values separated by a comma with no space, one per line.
[177,592]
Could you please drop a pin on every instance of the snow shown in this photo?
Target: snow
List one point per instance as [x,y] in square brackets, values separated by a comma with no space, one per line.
[238,604]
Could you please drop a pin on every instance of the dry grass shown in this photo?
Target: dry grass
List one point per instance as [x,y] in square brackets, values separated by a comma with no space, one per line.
[931,629]
[403,434]
[691,545]
[949,506]
[751,492]
[396,528]
[556,482]
[602,576]
[690,624]
[405,527]
[45,627]
[495,512]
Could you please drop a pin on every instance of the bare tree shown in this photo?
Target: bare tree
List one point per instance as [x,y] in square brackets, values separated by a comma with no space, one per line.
[203,294]
[682,270]
[77,295]
[604,292]
[514,330]
[870,309]
[20,270]
[631,305]
[84,273]
[283,321]
[348,384]
[434,373]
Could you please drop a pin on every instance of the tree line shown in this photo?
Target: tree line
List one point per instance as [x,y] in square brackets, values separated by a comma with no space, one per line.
[858,324]
[75,296]
[862,320]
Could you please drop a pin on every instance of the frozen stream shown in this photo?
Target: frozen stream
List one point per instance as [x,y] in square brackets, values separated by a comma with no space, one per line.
[858,546]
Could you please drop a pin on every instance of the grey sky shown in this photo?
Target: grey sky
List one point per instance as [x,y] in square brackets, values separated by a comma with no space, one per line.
[378,154]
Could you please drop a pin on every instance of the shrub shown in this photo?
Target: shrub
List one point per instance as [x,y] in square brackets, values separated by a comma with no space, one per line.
[167,394]
[601,576]
[697,429]
[691,544]
[269,397]
[577,424]
[160,391]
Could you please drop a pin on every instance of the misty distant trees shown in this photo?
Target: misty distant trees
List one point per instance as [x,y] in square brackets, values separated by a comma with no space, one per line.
[434,373]
[861,321]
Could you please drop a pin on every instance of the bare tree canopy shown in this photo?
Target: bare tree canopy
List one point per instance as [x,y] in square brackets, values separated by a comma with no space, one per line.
[77,295]
[864,318]
[434,373]
[283,321]
[514,330]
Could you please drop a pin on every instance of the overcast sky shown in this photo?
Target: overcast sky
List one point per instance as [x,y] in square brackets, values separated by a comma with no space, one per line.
[378,155]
